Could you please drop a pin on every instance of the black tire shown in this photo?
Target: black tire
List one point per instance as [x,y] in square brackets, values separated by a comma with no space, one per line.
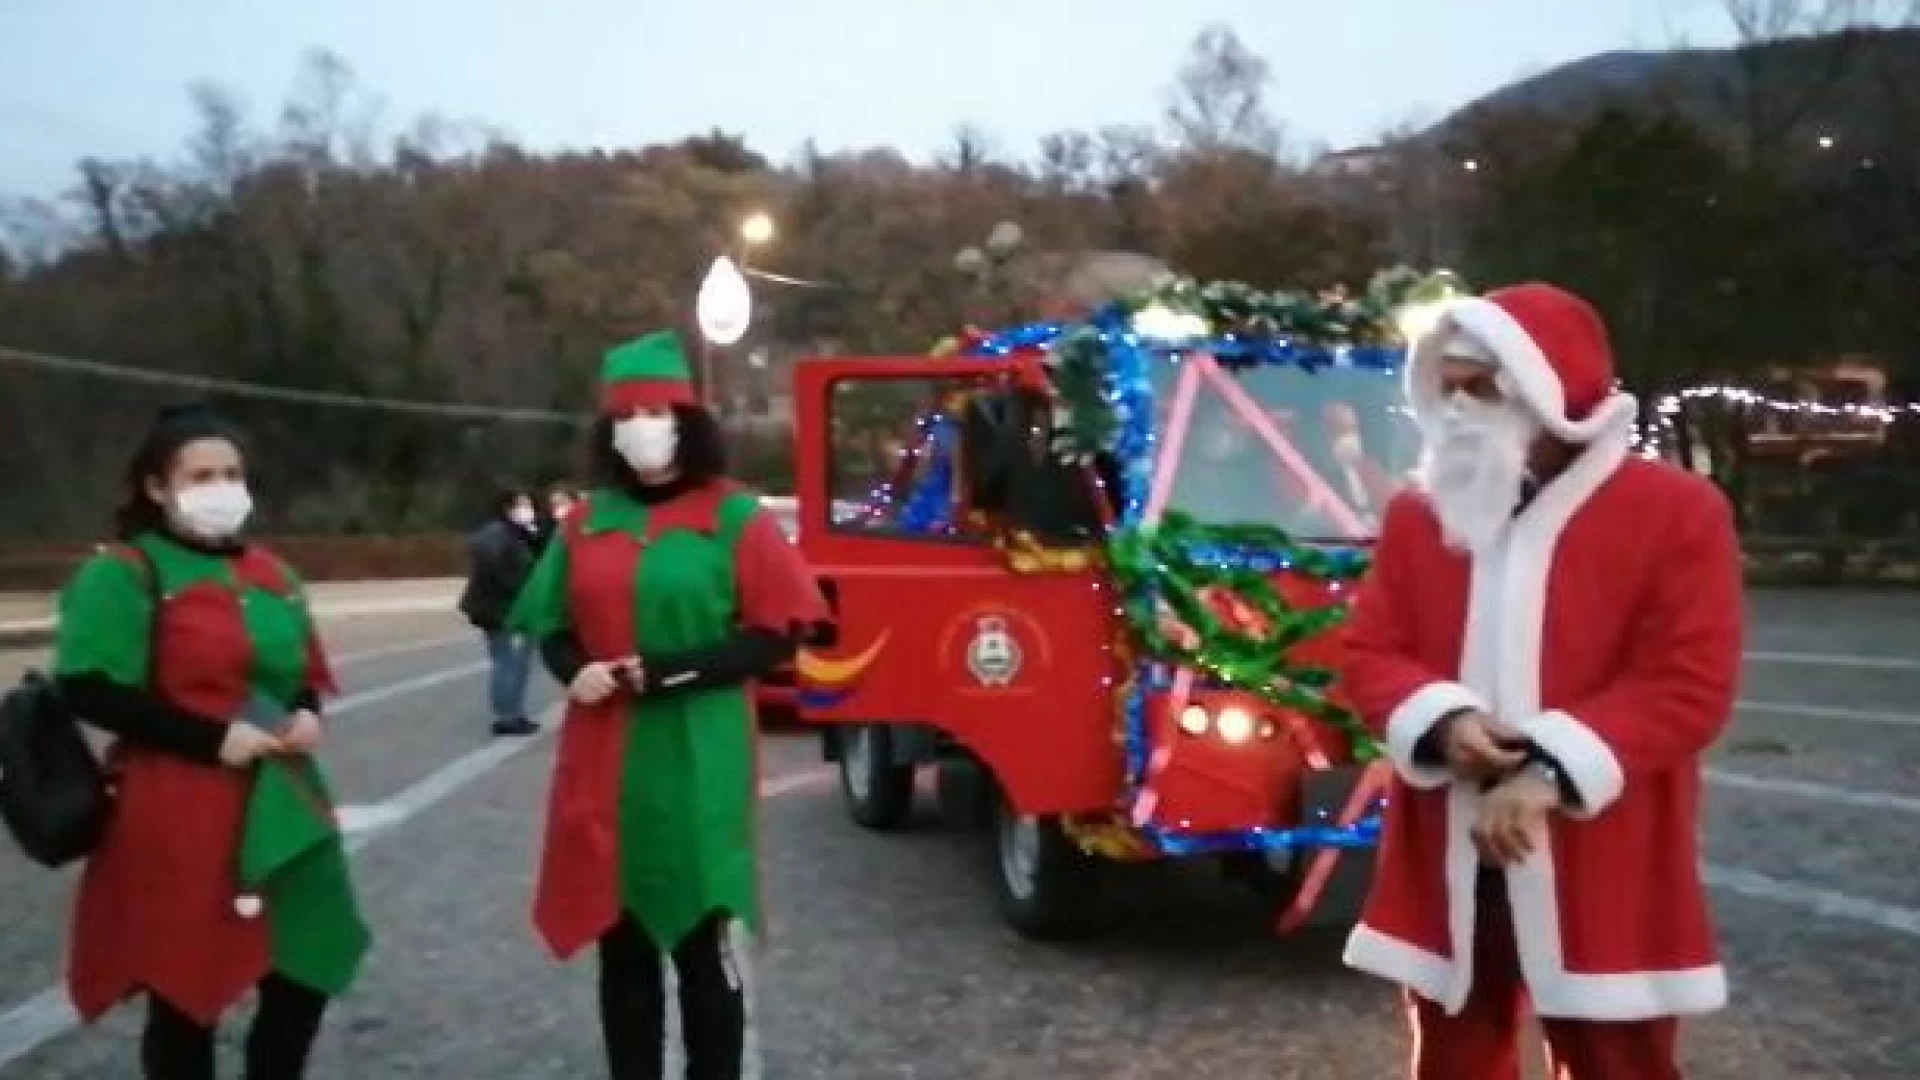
[1046,886]
[878,792]
[962,792]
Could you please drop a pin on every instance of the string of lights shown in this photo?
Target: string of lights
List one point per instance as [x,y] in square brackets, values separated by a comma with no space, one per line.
[1653,440]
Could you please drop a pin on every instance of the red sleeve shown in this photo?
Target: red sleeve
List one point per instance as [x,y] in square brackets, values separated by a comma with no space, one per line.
[1398,697]
[1676,689]
[320,678]
[319,675]
[777,589]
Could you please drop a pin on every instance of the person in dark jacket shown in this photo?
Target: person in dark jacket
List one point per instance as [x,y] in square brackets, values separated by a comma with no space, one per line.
[500,555]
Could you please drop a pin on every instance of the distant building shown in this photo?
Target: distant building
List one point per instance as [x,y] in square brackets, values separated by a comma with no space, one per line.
[1360,162]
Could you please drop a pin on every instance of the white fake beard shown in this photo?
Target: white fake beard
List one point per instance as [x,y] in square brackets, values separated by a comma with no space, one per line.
[1476,471]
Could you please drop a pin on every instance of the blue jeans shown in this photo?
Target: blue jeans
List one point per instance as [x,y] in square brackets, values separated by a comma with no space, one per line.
[512,659]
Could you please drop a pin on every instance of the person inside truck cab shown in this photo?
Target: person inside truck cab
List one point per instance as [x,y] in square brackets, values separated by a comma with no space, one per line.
[668,589]
[1014,472]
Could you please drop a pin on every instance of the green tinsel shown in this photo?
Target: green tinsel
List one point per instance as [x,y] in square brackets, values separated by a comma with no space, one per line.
[1078,362]
[1156,564]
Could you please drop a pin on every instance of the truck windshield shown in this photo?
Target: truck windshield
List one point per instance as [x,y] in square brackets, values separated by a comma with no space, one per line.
[1315,453]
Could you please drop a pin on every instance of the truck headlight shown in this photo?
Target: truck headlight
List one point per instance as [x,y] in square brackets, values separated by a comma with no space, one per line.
[1194,720]
[1234,724]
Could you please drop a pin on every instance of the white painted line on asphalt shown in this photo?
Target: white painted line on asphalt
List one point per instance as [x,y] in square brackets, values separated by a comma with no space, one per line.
[1827,902]
[359,819]
[46,1015]
[379,694]
[1869,663]
[1870,800]
[400,649]
[1827,712]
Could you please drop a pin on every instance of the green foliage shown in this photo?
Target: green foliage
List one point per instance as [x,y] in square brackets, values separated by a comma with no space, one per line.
[1162,565]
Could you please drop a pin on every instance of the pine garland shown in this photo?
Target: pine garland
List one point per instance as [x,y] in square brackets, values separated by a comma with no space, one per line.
[1181,563]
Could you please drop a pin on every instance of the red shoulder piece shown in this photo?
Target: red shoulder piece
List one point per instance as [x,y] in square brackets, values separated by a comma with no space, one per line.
[776,587]
[262,569]
[128,554]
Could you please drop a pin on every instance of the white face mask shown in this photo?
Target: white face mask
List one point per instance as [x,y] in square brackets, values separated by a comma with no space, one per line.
[214,511]
[647,442]
[522,516]
[1476,468]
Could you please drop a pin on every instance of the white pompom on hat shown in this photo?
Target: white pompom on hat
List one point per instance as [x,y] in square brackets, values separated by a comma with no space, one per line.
[1552,351]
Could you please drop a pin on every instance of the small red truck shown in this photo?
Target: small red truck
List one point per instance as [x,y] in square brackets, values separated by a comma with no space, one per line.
[1091,577]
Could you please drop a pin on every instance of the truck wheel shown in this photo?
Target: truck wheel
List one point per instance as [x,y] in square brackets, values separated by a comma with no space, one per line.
[1045,883]
[964,797]
[878,792]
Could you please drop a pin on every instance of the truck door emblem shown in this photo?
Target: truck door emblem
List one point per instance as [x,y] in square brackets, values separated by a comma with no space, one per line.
[993,656]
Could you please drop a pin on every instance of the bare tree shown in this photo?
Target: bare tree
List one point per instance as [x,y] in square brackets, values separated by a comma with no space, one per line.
[1219,96]
[1069,161]
[1776,89]
[101,185]
[220,148]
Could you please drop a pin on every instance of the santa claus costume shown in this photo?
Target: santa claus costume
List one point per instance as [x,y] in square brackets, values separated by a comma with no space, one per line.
[1600,620]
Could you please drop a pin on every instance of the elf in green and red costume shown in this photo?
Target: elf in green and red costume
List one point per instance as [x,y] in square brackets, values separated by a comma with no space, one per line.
[221,869]
[667,591]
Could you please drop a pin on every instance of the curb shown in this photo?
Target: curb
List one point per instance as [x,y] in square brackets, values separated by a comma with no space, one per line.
[36,633]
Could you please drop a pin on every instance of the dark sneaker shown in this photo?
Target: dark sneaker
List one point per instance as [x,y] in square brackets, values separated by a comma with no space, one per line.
[519,725]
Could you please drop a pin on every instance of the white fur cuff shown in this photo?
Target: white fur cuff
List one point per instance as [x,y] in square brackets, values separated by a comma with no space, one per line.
[1583,756]
[1414,717]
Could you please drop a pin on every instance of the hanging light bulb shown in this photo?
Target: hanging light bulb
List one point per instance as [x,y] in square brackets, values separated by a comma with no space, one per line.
[724,307]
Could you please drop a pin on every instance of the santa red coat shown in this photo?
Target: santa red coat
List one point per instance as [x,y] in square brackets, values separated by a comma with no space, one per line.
[1606,627]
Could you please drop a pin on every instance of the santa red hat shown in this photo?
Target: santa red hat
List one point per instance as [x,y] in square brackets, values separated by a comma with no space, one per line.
[1552,352]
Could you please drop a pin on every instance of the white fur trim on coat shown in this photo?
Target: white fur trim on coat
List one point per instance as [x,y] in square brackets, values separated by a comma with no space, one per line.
[1413,718]
[1583,756]
[1522,363]
[1500,662]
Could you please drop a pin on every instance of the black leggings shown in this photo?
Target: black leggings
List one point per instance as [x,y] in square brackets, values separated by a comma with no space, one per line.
[175,1046]
[633,1007]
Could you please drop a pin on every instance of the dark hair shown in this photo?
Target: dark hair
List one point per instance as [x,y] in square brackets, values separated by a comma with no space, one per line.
[173,428]
[562,487]
[504,499]
[700,454]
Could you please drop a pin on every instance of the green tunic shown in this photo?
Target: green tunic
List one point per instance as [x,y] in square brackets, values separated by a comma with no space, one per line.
[685,813]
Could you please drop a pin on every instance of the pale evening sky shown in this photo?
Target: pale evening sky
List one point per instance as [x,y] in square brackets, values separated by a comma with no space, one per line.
[110,77]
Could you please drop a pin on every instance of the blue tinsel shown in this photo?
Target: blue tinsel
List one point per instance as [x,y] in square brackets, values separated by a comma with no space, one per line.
[1128,390]
[929,506]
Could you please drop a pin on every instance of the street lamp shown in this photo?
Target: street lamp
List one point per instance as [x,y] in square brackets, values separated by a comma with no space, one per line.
[724,309]
[756,228]
[724,306]
[987,263]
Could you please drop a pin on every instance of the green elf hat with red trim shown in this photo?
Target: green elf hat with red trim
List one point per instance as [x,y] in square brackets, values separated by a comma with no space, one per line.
[645,372]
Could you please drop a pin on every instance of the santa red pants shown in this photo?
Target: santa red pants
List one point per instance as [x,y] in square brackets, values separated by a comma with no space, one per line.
[1483,1042]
